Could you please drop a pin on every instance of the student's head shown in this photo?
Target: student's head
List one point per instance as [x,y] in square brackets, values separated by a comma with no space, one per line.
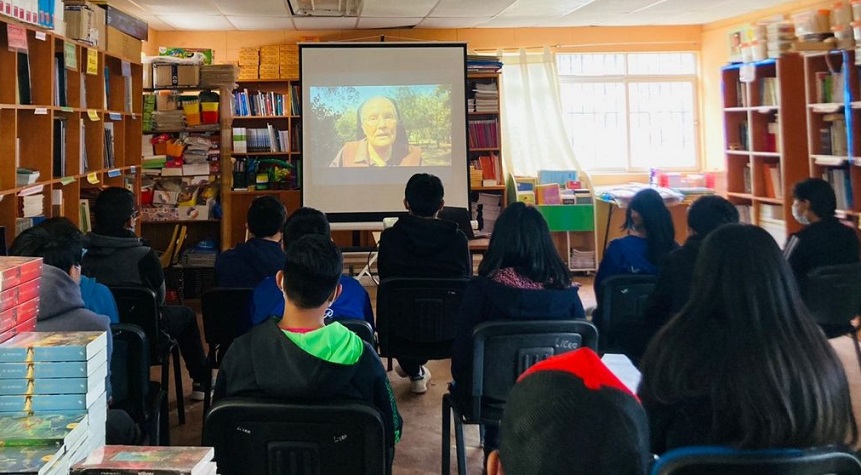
[266,217]
[813,199]
[423,195]
[521,239]
[648,216]
[379,122]
[311,271]
[305,221]
[57,241]
[748,343]
[570,414]
[115,209]
[709,213]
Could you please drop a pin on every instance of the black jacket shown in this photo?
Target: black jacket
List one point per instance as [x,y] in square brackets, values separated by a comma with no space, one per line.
[247,264]
[826,242]
[673,287]
[423,247]
[123,260]
[265,363]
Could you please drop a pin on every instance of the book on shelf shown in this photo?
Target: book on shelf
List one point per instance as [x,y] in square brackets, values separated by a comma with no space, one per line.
[57,202]
[85,223]
[120,459]
[829,87]
[82,148]
[259,103]
[769,91]
[741,94]
[31,205]
[840,181]
[483,133]
[744,215]
[832,135]
[108,161]
[24,82]
[748,179]
[240,140]
[60,79]
[59,147]
[295,100]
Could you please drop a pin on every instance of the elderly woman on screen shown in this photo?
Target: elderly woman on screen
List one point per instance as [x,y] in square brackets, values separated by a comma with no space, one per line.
[382,138]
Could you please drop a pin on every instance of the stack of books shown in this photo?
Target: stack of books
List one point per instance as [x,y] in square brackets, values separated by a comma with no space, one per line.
[480,63]
[486,97]
[581,260]
[19,295]
[55,382]
[490,207]
[134,460]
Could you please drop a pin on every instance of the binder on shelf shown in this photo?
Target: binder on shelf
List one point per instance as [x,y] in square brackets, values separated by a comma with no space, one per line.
[59,157]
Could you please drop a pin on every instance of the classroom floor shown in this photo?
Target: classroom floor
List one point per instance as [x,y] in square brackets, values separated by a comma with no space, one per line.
[418,452]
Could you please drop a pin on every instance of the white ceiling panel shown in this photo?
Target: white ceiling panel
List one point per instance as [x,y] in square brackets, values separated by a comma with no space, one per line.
[251,23]
[396,8]
[453,22]
[324,23]
[164,8]
[156,23]
[513,22]
[542,8]
[375,23]
[252,8]
[466,9]
[197,22]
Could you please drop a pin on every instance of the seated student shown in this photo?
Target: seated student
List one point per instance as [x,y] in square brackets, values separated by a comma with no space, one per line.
[261,256]
[268,300]
[743,364]
[673,288]
[117,257]
[823,241]
[60,245]
[420,245]
[569,414]
[651,237]
[521,277]
[300,357]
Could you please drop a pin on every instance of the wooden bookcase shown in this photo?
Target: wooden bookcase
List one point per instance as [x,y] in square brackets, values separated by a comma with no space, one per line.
[111,97]
[484,136]
[766,142]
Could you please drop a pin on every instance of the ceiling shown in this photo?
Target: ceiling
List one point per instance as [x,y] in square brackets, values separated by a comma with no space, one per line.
[379,14]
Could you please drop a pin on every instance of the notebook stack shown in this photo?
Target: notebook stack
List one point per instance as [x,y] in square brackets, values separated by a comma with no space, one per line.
[19,295]
[46,376]
[134,460]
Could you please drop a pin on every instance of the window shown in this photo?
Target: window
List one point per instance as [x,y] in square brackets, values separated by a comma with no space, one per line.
[631,112]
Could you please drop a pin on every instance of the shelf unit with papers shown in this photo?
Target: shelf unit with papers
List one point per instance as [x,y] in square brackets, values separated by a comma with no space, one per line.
[484,143]
[765,139]
[265,127]
[66,121]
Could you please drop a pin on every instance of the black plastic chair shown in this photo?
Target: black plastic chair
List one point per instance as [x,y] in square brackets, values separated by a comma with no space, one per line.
[360,327]
[714,460]
[265,437]
[144,400]
[225,317]
[833,296]
[621,321]
[416,316]
[501,352]
[138,306]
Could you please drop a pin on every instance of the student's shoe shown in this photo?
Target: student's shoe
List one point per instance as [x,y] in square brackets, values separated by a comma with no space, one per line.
[197,392]
[419,384]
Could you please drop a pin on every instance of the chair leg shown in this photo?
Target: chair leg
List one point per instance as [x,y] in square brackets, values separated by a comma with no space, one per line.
[460,446]
[389,367]
[446,436]
[177,377]
[207,385]
[164,424]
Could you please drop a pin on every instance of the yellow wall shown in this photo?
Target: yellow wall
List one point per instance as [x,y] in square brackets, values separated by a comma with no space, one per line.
[714,55]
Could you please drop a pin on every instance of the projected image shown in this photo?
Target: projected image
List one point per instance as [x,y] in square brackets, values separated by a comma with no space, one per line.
[382,126]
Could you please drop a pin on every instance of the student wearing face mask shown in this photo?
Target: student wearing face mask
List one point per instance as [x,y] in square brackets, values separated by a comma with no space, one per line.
[381,139]
[823,241]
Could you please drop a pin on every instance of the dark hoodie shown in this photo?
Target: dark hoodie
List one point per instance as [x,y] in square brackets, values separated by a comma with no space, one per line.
[247,264]
[486,300]
[328,363]
[673,287]
[423,247]
[123,260]
[61,309]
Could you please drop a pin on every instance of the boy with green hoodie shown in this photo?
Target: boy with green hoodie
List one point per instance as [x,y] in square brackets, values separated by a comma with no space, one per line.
[299,358]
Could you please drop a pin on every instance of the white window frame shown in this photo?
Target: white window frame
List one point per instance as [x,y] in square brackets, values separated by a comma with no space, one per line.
[626,80]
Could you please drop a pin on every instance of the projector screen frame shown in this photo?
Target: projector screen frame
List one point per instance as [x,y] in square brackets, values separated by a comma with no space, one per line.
[360,218]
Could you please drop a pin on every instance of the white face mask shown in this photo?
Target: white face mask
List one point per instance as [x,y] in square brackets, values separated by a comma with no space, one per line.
[799,217]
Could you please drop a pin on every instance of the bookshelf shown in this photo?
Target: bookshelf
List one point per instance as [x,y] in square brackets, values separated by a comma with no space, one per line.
[766,144]
[78,127]
[484,146]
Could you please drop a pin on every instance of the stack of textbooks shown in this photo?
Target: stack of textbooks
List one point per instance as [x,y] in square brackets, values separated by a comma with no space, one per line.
[19,295]
[53,380]
[42,444]
[486,97]
[133,460]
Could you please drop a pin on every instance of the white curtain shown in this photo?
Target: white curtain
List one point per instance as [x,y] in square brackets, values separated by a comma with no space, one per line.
[533,135]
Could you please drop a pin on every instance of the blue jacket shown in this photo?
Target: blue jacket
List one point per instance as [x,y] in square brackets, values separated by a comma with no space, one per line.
[247,264]
[354,301]
[626,255]
[99,299]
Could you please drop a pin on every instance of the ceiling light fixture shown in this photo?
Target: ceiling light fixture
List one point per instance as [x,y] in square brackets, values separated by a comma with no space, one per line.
[325,8]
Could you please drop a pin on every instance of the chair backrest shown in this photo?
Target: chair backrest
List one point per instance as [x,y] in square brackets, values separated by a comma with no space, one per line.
[130,364]
[833,294]
[623,301]
[714,460]
[359,327]
[225,314]
[416,316]
[138,306]
[503,350]
[267,438]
